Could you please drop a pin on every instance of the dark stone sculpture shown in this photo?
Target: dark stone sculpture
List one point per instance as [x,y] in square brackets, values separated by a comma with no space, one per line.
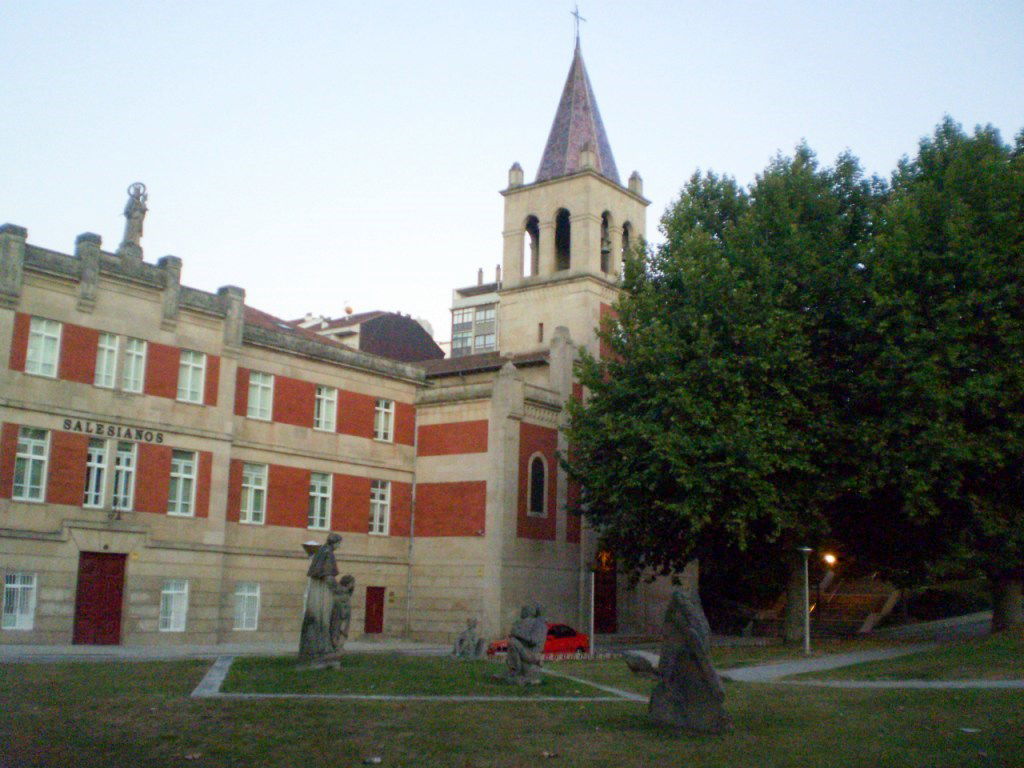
[526,647]
[328,604]
[689,694]
[468,645]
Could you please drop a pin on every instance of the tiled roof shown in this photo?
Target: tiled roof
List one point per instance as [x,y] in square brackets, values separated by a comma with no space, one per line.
[577,124]
[485,361]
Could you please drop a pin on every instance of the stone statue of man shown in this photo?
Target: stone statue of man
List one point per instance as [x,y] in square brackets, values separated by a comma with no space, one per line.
[526,646]
[317,640]
[134,213]
[468,645]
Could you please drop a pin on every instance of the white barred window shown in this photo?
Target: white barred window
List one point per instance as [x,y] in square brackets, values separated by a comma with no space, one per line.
[173,605]
[95,473]
[191,376]
[247,605]
[384,420]
[134,372]
[43,347]
[106,361]
[19,601]
[30,462]
[380,507]
[319,500]
[254,493]
[124,477]
[181,497]
[325,409]
[261,395]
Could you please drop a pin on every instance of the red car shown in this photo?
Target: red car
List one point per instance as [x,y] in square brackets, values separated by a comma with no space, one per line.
[561,639]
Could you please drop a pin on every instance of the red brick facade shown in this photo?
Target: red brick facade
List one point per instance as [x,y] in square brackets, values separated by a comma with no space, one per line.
[161,370]
[78,354]
[152,480]
[294,401]
[451,509]
[355,413]
[19,341]
[448,439]
[533,440]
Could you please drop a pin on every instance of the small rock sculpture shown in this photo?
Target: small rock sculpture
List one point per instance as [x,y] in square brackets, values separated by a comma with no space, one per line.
[468,645]
[324,621]
[526,647]
[689,694]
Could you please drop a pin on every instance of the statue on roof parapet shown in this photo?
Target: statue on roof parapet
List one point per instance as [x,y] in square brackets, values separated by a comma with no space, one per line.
[134,213]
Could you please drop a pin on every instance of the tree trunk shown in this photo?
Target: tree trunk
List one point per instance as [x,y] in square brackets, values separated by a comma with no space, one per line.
[1007,610]
[793,621]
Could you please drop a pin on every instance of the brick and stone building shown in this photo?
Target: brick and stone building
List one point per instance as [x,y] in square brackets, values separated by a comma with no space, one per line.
[164,451]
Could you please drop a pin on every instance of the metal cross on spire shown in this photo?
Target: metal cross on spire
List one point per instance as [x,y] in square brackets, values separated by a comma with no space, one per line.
[576,14]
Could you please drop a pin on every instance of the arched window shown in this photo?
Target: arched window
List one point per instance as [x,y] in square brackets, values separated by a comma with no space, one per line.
[537,506]
[531,258]
[606,242]
[627,239]
[562,239]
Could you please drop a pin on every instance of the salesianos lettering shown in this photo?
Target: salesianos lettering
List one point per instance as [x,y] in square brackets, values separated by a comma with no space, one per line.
[120,431]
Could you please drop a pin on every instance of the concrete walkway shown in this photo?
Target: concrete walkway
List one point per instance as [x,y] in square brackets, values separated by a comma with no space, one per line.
[764,673]
[52,653]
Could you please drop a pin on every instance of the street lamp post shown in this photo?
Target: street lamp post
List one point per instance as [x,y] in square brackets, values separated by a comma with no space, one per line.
[807,601]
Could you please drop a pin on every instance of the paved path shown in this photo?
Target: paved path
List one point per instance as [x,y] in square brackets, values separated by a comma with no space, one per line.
[770,672]
[920,684]
[51,653]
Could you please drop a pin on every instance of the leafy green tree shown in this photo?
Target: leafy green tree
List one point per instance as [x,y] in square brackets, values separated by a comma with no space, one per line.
[946,387]
[717,422]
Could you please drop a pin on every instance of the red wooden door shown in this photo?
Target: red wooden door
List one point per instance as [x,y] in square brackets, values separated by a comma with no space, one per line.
[606,618]
[374,610]
[98,601]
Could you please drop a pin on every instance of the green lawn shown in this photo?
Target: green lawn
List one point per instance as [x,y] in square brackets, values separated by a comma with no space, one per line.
[136,714]
[392,674]
[998,657]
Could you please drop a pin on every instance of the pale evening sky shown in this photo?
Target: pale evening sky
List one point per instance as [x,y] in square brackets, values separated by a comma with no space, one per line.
[318,153]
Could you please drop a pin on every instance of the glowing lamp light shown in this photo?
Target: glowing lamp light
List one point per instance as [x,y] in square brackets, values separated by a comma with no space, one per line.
[829,559]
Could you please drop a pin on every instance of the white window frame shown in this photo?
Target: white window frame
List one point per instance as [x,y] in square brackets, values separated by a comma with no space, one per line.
[484,314]
[42,357]
[122,493]
[325,409]
[253,509]
[489,341]
[19,596]
[321,487]
[529,486]
[33,450]
[106,361]
[174,605]
[380,507]
[184,469]
[247,606]
[261,396]
[95,473]
[133,374]
[191,376]
[384,420]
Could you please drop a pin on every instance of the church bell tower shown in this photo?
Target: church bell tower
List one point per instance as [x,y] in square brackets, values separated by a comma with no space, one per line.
[566,232]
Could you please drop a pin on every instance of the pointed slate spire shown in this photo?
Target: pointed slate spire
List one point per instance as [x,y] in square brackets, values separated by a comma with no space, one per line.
[577,125]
